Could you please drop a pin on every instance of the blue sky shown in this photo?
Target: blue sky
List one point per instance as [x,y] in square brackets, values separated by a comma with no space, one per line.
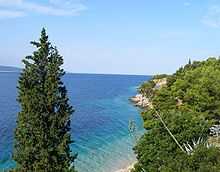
[113,36]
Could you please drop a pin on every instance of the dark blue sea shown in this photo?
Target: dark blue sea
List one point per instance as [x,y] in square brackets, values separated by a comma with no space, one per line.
[99,123]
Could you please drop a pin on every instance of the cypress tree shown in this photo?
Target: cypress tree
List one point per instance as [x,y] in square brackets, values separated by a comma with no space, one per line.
[189,62]
[42,135]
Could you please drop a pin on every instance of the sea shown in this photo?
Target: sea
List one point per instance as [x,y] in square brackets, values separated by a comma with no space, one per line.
[100,123]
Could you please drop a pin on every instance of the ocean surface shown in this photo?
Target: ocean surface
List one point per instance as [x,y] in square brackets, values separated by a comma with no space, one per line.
[99,124]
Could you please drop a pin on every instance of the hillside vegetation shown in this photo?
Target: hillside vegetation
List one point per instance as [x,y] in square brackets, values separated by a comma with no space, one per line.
[178,126]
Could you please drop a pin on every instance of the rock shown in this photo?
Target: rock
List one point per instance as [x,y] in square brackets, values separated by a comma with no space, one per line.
[159,83]
[179,102]
[136,98]
[141,101]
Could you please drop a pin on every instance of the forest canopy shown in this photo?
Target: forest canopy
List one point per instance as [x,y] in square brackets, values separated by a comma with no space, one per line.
[189,104]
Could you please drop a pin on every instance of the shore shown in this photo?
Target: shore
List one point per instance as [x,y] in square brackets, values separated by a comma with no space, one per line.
[2,71]
[126,169]
[141,101]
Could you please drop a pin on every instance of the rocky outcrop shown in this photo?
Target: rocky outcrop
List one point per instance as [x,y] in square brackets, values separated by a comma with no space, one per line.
[141,101]
[159,83]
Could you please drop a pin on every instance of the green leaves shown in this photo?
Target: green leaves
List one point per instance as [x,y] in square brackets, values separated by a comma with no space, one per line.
[189,105]
[42,136]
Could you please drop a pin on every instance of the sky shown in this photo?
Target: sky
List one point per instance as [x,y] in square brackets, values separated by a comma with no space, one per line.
[113,36]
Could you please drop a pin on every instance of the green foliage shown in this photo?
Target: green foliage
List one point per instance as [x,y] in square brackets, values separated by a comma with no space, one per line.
[160,76]
[189,105]
[42,136]
[147,88]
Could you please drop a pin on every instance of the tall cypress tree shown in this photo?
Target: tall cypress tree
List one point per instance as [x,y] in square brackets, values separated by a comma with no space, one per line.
[42,136]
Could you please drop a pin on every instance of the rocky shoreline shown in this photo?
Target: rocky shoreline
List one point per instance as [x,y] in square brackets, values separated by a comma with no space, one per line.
[141,101]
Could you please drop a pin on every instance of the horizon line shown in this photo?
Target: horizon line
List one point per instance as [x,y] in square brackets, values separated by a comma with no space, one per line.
[86,73]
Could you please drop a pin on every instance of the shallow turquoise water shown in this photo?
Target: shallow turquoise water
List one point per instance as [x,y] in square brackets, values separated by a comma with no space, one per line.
[99,124]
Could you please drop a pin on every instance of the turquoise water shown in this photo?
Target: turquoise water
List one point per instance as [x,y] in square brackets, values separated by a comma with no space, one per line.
[99,124]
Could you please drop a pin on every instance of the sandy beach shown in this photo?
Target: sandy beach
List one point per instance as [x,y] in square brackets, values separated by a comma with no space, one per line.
[127,169]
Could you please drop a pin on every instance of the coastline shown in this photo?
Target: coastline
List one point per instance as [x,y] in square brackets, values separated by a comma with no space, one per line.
[2,71]
[127,169]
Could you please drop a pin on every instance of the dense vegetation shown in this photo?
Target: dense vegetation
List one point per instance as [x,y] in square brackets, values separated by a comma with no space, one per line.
[42,136]
[189,105]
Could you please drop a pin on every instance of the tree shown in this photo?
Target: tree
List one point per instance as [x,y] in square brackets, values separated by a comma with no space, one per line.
[189,62]
[42,136]
[196,86]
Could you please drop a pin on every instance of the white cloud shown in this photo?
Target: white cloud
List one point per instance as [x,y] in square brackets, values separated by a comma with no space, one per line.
[52,7]
[212,18]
